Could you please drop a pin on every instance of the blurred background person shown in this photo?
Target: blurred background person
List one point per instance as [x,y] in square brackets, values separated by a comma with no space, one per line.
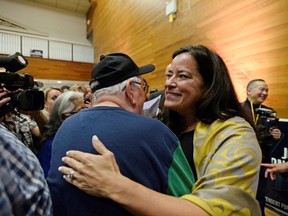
[65,88]
[50,95]
[78,88]
[85,91]
[23,127]
[66,104]
[88,97]
[42,116]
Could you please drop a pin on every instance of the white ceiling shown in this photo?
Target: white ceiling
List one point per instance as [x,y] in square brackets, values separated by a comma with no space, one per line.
[76,6]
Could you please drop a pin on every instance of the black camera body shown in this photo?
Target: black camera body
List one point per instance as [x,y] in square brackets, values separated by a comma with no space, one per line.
[264,112]
[268,122]
[14,81]
[30,98]
[268,117]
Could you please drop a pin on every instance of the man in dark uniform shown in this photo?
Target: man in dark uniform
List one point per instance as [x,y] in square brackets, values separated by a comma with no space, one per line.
[268,135]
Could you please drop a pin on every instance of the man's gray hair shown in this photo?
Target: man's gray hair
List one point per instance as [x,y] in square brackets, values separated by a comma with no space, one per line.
[251,84]
[113,90]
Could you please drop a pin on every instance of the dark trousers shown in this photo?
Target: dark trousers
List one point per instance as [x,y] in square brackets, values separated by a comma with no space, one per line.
[261,191]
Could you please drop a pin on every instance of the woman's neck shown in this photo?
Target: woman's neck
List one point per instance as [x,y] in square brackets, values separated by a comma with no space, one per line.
[190,123]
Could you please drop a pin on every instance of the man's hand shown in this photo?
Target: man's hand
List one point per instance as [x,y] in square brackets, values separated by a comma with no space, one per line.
[275,132]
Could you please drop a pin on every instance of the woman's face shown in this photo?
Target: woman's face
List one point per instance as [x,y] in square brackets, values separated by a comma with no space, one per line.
[184,85]
[50,100]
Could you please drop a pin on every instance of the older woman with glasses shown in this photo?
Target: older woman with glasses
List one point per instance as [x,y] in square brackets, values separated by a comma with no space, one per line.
[65,105]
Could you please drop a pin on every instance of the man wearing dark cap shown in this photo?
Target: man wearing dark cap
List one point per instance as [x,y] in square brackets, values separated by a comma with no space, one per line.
[145,149]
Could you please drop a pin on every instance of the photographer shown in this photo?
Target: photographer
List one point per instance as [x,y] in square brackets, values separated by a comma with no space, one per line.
[268,134]
[20,95]
[23,188]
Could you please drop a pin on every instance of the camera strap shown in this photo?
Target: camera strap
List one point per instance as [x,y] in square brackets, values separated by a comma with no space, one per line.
[253,113]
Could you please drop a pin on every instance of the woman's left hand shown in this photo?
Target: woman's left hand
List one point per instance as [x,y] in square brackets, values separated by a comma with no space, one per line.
[94,174]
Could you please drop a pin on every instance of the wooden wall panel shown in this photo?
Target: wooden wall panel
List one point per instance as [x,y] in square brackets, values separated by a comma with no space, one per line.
[57,69]
[250,35]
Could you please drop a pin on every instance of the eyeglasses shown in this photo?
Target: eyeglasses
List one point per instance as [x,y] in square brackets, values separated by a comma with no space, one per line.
[144,85]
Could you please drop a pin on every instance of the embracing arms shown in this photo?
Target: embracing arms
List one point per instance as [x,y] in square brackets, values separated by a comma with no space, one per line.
[99,175]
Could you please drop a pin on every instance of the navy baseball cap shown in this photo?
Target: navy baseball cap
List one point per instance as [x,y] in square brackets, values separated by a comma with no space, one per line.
[115,68]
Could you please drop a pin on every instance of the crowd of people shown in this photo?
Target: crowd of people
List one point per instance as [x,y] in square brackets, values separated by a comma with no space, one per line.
[200,154]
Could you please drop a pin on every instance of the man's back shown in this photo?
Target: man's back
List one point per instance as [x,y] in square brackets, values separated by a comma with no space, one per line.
[145,149]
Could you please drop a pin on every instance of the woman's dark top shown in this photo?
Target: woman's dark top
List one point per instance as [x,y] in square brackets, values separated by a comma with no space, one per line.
[186,140]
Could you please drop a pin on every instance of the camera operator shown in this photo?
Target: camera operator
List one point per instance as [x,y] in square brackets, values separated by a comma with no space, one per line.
[23,188]
[22,96]
[268,134]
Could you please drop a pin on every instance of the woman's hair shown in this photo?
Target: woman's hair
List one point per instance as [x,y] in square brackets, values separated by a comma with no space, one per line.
[219,99]
[79,88]
[64,104]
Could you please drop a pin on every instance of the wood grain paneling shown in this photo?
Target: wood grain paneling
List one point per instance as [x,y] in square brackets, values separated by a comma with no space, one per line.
[57,69]
[250,35]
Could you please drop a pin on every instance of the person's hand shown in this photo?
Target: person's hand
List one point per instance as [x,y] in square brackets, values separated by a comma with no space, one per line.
[3,99]
[93,174]
[276,133]
[3,95]
[273,169]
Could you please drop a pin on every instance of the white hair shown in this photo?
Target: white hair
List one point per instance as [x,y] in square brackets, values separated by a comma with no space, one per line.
[113,90]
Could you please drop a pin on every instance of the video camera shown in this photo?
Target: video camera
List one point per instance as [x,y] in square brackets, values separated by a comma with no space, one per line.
[269,117]
[30,98]
[264,112]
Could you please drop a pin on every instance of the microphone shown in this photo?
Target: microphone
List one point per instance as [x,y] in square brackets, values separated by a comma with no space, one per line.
[13,63]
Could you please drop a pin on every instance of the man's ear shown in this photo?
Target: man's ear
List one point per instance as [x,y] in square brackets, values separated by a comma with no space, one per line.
[130,93]
[249,90]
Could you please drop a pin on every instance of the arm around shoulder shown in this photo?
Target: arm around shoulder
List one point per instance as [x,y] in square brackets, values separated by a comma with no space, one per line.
[99,175]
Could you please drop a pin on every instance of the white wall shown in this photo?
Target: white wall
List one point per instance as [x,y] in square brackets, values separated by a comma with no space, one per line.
[57,24]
